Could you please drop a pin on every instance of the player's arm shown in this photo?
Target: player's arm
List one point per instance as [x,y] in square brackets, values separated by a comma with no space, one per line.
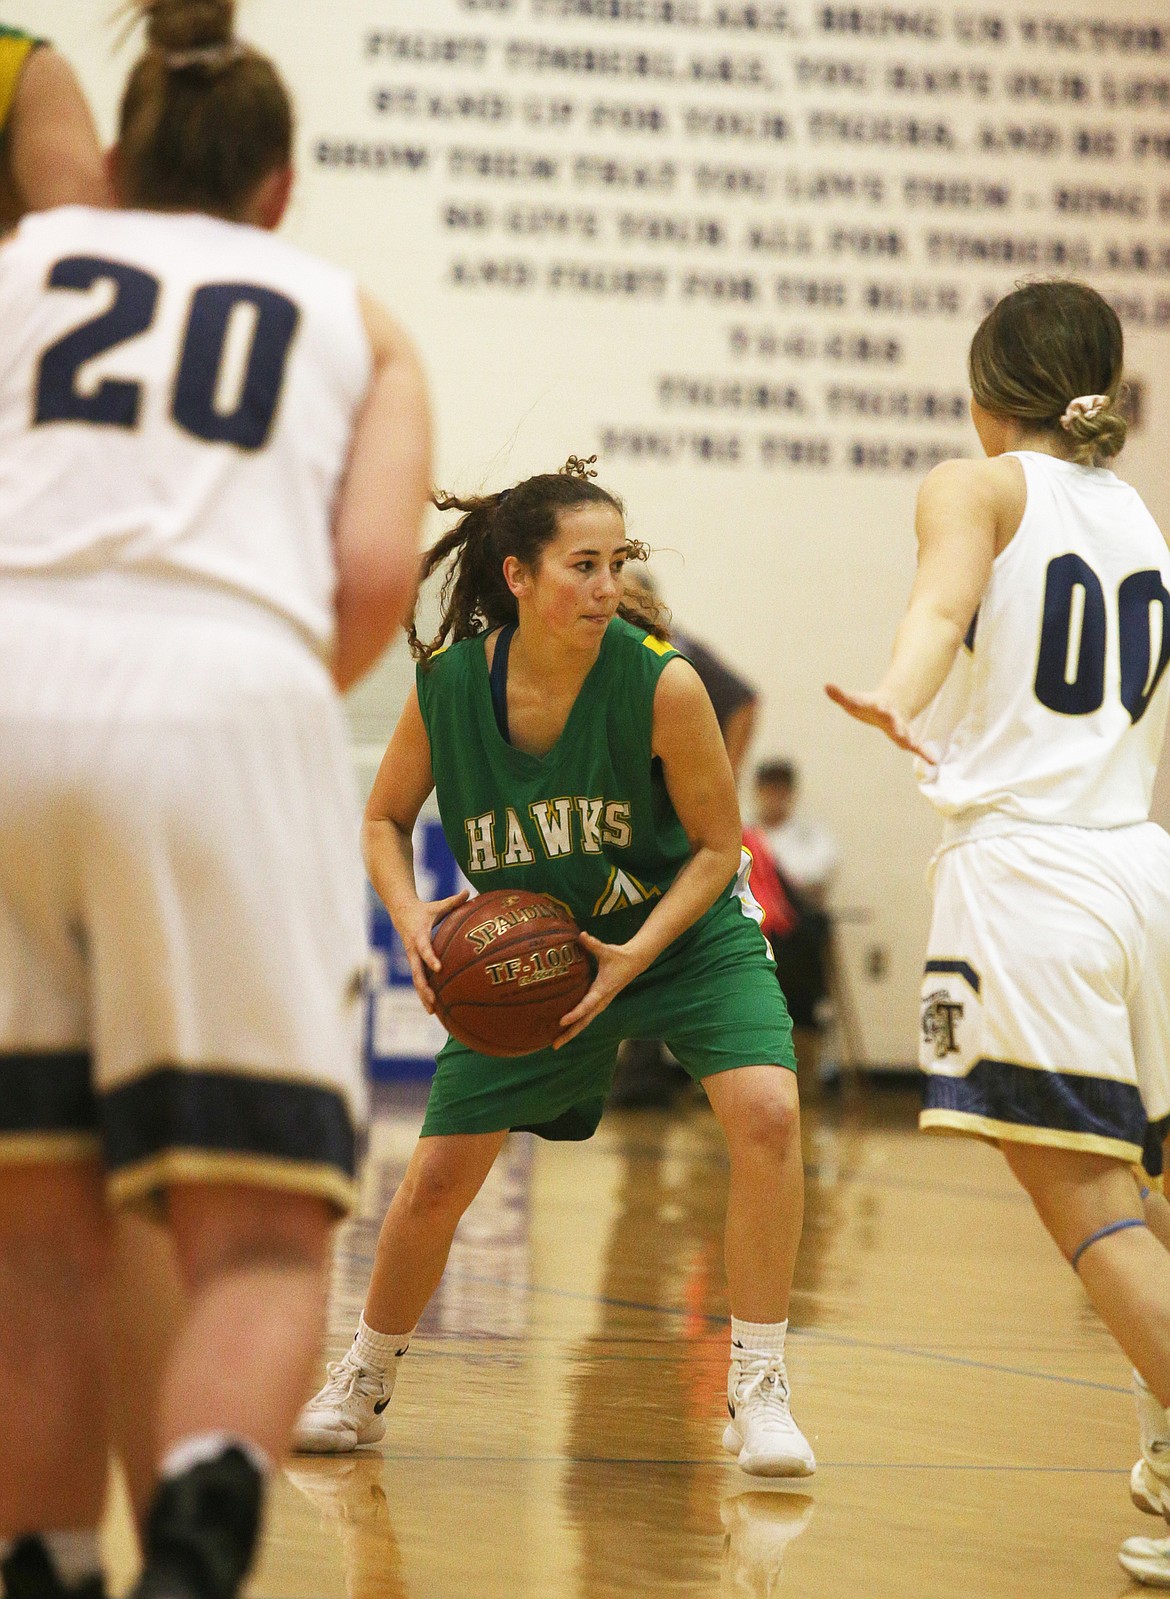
[400,790]
[957,522]
[687,740]
[380,505]
[54,154]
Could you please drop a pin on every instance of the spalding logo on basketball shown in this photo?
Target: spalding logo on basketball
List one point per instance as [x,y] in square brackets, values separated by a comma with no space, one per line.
[513,965]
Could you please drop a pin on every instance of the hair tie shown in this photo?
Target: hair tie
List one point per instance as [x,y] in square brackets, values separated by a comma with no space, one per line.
[1086,405]
[212,56]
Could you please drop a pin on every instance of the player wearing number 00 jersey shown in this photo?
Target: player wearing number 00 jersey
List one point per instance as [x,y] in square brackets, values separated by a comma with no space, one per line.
[213,463]
[1044,1001]
[1030,674]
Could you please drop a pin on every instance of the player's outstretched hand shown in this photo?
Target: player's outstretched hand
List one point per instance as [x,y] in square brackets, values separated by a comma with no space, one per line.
[873,709]
[413,926]
[616,967]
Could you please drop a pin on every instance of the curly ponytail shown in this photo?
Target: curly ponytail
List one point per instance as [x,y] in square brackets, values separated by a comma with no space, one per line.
[520,522]
[474,597]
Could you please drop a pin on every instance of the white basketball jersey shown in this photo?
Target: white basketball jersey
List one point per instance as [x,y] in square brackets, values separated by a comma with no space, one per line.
[1056,708]
[177,398]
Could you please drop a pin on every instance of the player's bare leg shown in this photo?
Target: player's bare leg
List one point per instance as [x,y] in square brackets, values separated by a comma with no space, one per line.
[1125,1273]
[149,1307]
[254,1265]
[1157,1213]
[444,1175]
[759,1112]
[1148,1559]
[54,1373]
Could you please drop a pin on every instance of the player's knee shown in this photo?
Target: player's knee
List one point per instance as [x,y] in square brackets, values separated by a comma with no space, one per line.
[770,1126]
[435,1189]
[235,1227]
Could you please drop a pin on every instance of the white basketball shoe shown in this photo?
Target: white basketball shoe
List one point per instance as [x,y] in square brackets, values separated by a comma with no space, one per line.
[1147,1560]
[761,1431]
[347,1411]
[1150,1478]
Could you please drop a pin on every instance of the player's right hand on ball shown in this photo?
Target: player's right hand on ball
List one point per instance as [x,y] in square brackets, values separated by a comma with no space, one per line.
[413,925]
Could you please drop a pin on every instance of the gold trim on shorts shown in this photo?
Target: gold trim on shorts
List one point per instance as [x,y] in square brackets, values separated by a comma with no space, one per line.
[38,1146]
[959,1121]
[130,1185]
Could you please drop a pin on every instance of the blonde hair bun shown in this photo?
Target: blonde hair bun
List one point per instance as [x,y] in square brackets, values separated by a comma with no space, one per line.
[1098,430]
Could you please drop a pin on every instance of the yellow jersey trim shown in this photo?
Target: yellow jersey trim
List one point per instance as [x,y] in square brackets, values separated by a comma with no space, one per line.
[15,49]
[658,645]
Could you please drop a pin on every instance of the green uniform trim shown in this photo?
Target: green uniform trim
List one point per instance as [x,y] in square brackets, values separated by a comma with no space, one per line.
[590,823]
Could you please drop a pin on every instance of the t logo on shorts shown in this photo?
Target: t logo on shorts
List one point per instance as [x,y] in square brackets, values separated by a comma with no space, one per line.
[951,1036]
[940,1019]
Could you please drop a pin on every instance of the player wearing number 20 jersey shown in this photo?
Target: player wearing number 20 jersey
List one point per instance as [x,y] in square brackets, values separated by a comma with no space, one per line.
[1046,1001]
[142,339]
[181,917]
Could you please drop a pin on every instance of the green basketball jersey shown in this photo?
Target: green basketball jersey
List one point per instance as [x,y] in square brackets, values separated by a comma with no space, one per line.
[590,822]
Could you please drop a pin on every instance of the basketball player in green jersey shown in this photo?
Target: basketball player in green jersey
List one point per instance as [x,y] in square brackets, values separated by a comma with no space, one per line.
[574,751]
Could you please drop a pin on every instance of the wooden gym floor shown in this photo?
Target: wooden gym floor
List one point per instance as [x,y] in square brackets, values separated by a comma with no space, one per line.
[556,1427]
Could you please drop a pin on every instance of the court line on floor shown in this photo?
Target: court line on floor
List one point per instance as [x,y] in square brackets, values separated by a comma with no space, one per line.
[790,1483]
[802,1334]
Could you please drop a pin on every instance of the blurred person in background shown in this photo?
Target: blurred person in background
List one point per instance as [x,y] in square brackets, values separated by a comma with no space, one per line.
[804,856]
[804,850]
[49,149]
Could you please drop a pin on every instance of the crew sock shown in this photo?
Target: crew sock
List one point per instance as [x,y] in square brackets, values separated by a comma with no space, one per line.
[377,1351]
[758,1337]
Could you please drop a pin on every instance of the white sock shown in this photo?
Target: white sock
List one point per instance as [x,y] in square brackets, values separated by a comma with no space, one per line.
[204,1446]
[377,1351]
[757,1337]
[75,1554]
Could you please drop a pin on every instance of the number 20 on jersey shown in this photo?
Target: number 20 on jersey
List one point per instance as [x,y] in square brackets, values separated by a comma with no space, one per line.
[116,402]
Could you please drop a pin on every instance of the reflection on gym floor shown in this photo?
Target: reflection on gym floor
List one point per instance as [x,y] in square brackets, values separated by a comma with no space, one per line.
[556,1428]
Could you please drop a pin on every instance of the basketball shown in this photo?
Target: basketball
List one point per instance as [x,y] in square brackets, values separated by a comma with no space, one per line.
[513,965]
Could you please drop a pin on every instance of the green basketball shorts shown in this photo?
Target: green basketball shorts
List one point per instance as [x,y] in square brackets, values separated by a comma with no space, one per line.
[712,997]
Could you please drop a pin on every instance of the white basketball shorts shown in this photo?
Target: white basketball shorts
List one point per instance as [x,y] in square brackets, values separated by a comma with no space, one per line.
[1046,997]
[182,922]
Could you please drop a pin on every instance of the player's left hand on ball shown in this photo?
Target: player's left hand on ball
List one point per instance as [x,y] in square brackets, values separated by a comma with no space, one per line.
[616,967]
[413,925]
[872,709]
